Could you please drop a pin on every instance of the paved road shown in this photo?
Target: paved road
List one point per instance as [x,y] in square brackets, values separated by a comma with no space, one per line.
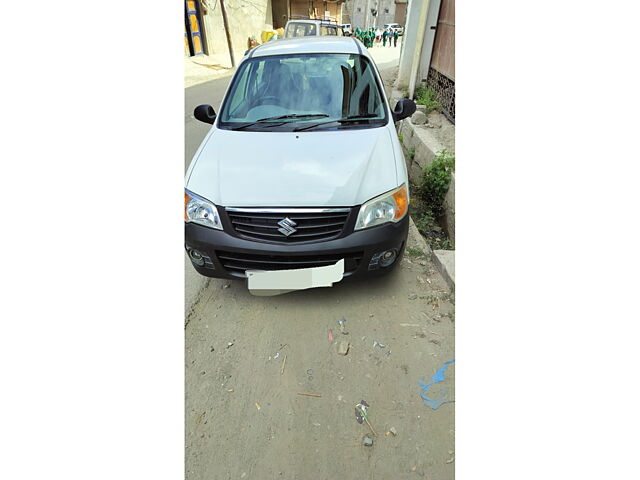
[244,417]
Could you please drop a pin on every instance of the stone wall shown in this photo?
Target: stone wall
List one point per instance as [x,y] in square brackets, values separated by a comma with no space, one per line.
[245,19]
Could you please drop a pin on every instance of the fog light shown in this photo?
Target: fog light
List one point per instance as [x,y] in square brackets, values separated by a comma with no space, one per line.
[383,259]
[196,257]
[388,257]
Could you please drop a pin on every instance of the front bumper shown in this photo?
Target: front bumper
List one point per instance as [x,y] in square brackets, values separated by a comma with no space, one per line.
[226,255]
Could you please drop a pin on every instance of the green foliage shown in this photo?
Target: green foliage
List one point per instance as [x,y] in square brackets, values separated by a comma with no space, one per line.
[426,221]
[415,252]
[412,153]
[427,97]
[440,244]
[401,138]
[435,181]
[427,224]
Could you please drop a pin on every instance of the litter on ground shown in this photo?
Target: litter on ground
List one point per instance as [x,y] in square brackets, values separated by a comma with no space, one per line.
[343,347]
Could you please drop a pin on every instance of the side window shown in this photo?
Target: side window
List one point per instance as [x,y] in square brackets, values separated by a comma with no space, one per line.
[324,30]
[311,30]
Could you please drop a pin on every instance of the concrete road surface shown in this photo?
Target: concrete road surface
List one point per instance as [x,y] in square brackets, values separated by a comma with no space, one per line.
[248,358]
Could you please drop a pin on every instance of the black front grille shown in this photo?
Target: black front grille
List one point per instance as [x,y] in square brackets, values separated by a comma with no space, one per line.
[238,263]
[310,227]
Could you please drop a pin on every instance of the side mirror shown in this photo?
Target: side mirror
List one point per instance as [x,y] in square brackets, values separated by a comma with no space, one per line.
[404,108]
[205,113]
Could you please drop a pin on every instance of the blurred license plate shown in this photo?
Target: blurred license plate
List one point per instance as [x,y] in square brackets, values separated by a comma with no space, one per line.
[298,279]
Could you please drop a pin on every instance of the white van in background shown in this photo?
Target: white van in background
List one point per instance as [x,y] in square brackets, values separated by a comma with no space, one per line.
[311,28]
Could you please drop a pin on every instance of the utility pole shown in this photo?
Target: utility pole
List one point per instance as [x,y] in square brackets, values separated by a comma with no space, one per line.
[226,31]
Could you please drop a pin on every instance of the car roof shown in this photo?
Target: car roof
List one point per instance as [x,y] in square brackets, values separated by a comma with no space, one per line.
[310,44]
[312,20]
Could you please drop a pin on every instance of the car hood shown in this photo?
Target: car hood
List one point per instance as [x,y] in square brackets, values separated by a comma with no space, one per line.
[294,169]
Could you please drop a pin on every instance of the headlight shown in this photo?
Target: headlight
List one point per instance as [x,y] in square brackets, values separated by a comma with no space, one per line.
[389,207]
[201,211]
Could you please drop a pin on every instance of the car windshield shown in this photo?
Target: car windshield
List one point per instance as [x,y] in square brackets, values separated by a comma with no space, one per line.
[286,91]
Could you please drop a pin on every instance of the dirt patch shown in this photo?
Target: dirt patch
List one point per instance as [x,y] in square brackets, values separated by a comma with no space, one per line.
[244,411]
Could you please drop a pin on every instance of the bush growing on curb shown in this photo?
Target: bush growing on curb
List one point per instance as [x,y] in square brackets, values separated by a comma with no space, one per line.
[435,181]
[427,97]
[426,221]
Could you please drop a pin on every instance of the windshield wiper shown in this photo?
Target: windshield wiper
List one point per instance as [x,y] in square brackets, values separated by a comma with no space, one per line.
[281,117]
[294,115]
[351,119]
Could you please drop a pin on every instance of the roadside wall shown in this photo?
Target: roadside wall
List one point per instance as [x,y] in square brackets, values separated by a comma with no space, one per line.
[245,19]
[428,142]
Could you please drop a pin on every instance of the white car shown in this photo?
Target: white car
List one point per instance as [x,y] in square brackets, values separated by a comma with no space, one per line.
[396,28]
[301,169]
[311,28]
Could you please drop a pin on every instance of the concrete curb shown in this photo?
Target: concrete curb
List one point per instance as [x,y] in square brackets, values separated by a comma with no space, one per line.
[427,143]
[446,264]
[444,260]
[416,240]
[426,148]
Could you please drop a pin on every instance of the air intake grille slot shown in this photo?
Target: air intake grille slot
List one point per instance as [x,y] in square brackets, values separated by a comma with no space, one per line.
[238,263]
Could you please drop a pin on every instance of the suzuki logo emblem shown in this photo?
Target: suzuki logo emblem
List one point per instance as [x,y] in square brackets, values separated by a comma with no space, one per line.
[287,226]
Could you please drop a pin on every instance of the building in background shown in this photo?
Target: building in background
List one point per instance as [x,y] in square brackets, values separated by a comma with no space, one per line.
[204,26]
[375,13]
[428,51]
[401,12]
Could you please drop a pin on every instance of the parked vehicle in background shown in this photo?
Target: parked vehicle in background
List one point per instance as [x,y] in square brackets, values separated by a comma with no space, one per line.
[311,28]
[301,171]
[396,28]
[346,28]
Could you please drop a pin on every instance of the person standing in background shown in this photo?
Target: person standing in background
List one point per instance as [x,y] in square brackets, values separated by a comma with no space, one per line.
[395,38]
[385,34]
